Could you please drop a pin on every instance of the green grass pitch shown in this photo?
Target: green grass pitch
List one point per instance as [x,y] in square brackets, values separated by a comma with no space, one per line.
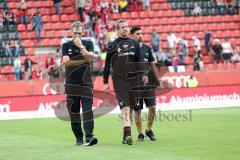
[213,134]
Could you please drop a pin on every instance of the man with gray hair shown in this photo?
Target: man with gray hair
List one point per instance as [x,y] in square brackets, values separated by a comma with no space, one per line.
[76,57]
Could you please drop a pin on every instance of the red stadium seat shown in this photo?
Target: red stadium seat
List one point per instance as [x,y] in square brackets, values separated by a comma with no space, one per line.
[235,18]
[210,67]
[30,4]
[44,34]
[52,11]
[136,22]
[27,43]
[35,43]
[238,66]
[116,16]
[48,4]
[22,59]
[134,15]
[40,4]
[155,21]
[52,34]
[188,60]
[146,37]
[59,25]
[24,35]
[146,22]
[10,77]
[21,27]
[74,17]
[156,6]
[46,42]
[148,29]
[7,69]
[125,15]
[66,3]
[66,25]
[143,14]
[231,66]
[55,18]
[221,67]
[190,68]
[44,11]
[32,35]
[30,51]
[64,18]
[46,18]
[70,10]
[12,5]
[48,26]
[56,42]
[2,77]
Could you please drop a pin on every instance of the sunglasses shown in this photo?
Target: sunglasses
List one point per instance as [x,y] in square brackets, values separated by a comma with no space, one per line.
[79,33]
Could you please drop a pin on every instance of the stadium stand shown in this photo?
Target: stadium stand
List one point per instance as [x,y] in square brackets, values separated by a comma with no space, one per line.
[165,15]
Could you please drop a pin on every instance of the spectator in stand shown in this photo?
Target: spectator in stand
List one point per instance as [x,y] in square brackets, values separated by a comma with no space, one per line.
[1,20]
[98,10]
[197,11]
[236,55]
[105,11]
[49,66]
[164,59]
[12,18]
[122,5]
[28,63]
[104,4]
[175,63]
[37,24]
[227,51]
[98,26]
[217,51]
[58,62]
[196,44]
[229,3]
[22,8]
[146,4]
[114,6]
[80,4]
[171,39]
[89,31]
[93,22]
[102,37]
[220,3]
[155,43]
[198,64]
[112,34]
[57,5]
[9,18]
[17,68]
[208,41]
[12,49]
[181,50]
[88,6]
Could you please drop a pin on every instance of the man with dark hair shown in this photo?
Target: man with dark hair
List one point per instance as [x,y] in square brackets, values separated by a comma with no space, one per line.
[150,102]
[121,55]
[76,57]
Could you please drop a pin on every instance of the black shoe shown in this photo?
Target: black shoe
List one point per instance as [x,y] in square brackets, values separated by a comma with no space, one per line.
[127,140]
[91,141]
[150,135]
[79,142]
[140,137]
